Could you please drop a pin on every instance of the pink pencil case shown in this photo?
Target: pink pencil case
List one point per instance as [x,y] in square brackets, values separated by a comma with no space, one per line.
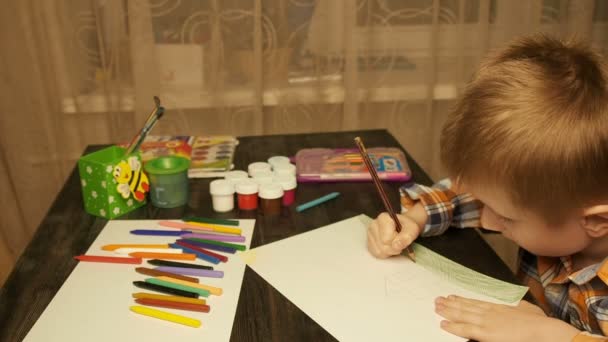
[346,165]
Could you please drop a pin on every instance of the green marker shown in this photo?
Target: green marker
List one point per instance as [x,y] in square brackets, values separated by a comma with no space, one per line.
[201,292]
[219,243]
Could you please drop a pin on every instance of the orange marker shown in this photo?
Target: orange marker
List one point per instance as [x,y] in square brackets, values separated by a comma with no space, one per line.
[141,295]
[117,246]
[164,256]
[157,273]
[109,259]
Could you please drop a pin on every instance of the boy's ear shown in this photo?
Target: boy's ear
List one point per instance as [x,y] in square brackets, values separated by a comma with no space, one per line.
[595,220]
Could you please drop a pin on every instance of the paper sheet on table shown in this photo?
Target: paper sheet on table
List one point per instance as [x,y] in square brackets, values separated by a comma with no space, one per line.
[329,275]
[93,303]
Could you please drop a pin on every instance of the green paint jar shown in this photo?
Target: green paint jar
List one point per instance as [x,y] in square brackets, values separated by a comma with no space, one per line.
[168,181]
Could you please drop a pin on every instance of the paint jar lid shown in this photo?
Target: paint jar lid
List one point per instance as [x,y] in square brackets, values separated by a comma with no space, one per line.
[263,177]
[263,180]
[286,182]
[258,167]
[221,187]
[246,187]
[285,169]
[262,173]
[270,191]
[236,175]
[278,160]
[167,165]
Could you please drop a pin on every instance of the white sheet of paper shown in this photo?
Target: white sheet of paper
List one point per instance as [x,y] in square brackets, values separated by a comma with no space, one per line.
[329,275]
[93,303]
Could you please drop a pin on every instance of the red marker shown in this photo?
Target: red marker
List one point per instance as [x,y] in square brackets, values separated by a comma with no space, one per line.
[108,259]
[222,258]
[172,305]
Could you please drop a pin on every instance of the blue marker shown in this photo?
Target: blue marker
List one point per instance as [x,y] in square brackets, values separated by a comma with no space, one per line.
[198,254]
[316,202]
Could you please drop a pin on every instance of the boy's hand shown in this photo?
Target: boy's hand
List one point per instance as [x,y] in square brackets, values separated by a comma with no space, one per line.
[384,241]
[483,321]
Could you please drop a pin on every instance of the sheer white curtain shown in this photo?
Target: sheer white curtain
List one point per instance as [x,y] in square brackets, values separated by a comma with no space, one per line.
[84,72]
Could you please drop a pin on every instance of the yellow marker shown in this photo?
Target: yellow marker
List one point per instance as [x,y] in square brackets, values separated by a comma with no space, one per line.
[213,290]
[142,310]
[216,228]
[114,247]
[177,299]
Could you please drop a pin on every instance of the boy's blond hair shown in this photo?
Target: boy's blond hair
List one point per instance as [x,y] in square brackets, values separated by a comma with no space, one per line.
[534,121]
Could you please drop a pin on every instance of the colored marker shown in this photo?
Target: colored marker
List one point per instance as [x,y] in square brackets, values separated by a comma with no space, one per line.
[317,201]
[191,247]
[212,221]
[108,259]
[156,273]
[156,281]
[216,228]
[158,262]
[210,246]
[172,305]
[219,243]
[164,289]
[192,272]
[178,225]
[166,316]
[213,290]
[145,295]
[198,254]
[156,232]
[216,237]
[117,246]
[167,256]
[127,251]
[182,225]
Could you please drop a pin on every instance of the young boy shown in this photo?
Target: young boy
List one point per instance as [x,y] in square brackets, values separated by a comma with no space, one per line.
[527,151]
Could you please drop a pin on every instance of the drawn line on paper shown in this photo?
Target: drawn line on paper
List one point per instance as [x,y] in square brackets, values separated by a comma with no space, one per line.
[460,275]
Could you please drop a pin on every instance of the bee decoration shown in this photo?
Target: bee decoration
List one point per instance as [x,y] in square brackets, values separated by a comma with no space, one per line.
[131,179]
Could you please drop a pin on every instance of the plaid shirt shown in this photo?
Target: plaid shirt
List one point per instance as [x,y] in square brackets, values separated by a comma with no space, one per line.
[579,298]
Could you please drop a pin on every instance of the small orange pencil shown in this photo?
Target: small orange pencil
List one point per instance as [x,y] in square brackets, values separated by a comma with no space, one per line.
[164,256]
[139,295]
[383,196]
[108,259]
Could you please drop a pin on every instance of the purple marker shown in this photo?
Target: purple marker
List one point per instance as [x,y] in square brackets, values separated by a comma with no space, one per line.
[191,271]
[226,238]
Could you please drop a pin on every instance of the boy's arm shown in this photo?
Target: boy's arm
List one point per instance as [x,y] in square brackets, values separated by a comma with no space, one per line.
[585,336]
[442,205]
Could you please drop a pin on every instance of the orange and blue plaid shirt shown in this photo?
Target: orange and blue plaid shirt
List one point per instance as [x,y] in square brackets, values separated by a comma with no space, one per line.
[579,298]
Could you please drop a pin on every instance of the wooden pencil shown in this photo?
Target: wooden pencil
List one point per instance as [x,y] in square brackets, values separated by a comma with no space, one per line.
[383,196]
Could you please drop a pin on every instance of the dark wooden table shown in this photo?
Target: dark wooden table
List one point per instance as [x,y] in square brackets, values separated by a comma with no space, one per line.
[263,314]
